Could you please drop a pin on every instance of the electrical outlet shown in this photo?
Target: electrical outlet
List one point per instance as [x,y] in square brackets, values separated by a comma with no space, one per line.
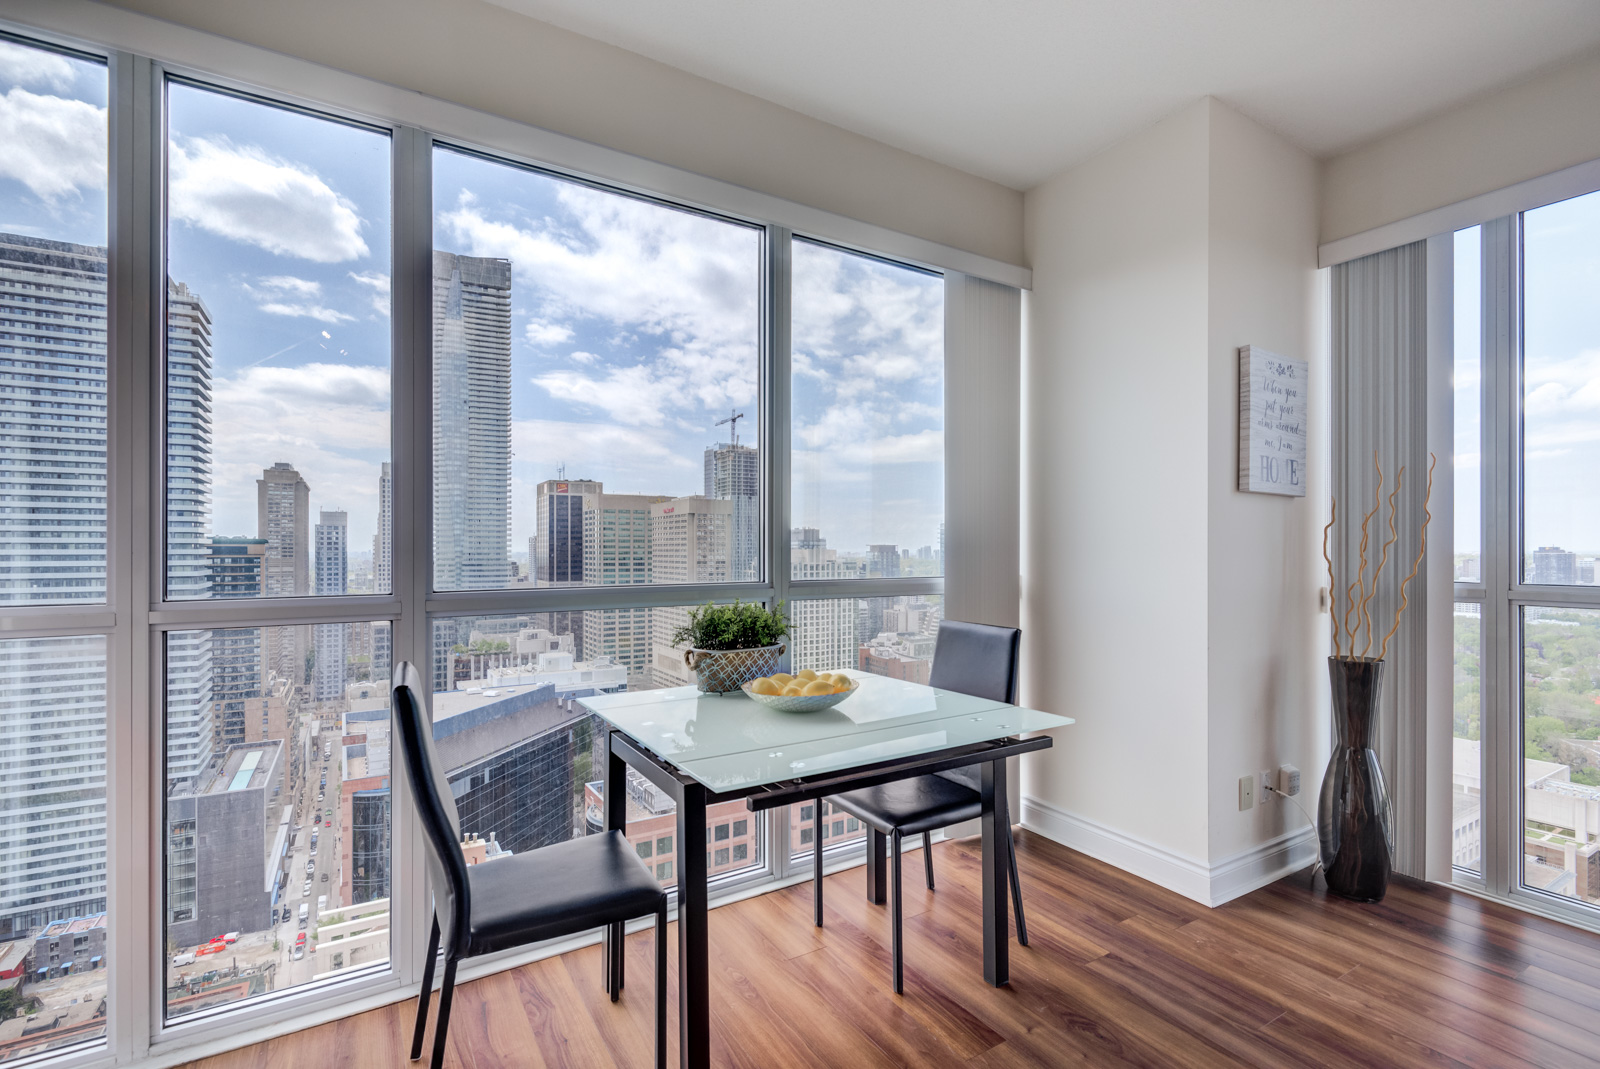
[1247,792]
[1264,780]
[1288,780]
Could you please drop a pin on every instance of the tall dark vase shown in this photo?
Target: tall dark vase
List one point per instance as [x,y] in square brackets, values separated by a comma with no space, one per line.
[1353,819]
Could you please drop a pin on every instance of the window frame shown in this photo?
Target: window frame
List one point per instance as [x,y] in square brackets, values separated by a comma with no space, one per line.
[1501,593]
[142,54]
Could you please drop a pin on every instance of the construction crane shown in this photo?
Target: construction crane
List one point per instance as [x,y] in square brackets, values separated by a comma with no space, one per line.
[733,433]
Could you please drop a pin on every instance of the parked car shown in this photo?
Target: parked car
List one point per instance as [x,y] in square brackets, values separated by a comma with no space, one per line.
[231,938]
[328,823]
[305,892]
[300,940]
[322,904]
[180,960]
[324,877]
[303,922]
[299,952]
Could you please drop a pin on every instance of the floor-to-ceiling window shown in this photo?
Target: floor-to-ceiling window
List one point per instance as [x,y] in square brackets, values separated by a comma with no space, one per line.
[325,392]
[275,463]
[1527,697]
[53,449]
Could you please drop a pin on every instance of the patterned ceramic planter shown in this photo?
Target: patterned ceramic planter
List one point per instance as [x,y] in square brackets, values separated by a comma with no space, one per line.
[721,671]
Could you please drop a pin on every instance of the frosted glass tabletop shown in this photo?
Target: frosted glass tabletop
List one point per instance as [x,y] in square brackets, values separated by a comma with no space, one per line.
[727,741]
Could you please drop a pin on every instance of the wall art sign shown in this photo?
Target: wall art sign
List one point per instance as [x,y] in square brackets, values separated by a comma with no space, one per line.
[1272,423]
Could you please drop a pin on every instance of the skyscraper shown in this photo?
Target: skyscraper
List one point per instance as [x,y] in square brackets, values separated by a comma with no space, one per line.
[690,542]
[822,631]
[1553,565]
[472,421]
[556,552]
[238,668]
[616,538]
[283,518]
[190,732]
[382,650]
[333,577]
[733,473]
[52,549]
[53,450]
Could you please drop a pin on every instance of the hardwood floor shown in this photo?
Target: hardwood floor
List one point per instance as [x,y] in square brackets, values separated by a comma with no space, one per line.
[1119,973]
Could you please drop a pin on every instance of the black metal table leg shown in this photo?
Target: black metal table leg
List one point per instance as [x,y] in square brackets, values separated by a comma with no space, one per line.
[694,980]
[816,861]
[616,807]
[995,821]
[877,865]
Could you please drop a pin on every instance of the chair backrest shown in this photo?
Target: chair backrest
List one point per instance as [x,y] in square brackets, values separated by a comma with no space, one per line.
[436,807]
[977,659]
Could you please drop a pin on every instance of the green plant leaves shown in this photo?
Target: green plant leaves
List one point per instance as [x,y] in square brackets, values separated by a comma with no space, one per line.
[741,626]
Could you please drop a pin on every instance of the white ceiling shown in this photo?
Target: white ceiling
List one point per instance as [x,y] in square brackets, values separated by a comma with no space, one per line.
[1017,90]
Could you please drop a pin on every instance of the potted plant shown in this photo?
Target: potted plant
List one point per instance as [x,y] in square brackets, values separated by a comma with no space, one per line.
[726,646]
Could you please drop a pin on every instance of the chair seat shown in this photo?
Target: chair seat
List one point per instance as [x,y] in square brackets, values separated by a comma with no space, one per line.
[558,890]
[912,806]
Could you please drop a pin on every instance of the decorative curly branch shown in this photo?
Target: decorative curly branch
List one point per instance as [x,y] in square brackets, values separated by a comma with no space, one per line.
[1427,517]
[1393,537]
[1333,589]
[1353,598]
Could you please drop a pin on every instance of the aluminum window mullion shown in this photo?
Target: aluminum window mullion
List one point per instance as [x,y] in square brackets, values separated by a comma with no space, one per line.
[1499,664]
[777,288]
[264,612]
[411,417]
[556,599]
[867,588]
[133,953]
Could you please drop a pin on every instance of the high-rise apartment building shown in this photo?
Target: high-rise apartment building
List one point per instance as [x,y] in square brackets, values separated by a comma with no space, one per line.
[690,542]
[53,413]
[616,539]
[238,665]
[472,421]
[733,473]
[1552,565]
[53,796]
[383,538]
[883,562]
[190,730]
[822,631]
[283,518]
[332,578]
[382,650]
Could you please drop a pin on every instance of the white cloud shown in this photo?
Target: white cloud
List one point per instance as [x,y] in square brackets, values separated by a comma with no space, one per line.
[286,295]
[52,145]
[243,193]
[542,333]
[676,287]
[582,357]
[331,421]
[21,65]
[378,283]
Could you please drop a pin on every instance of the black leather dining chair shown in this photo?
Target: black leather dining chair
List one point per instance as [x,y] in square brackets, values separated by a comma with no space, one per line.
[976,659]
[546,893]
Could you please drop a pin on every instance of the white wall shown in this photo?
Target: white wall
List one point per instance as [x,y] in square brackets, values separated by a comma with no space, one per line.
[1173,616]
[1115,544]
[1511,135]
[1268,680]
[492,59]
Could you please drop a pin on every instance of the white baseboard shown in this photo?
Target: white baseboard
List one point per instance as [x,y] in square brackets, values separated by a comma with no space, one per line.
[1208,884]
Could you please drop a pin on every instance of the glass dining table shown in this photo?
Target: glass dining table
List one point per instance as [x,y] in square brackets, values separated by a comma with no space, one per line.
[704,749]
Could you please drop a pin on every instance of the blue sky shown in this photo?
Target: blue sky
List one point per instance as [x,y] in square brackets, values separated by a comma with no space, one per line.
[636,327]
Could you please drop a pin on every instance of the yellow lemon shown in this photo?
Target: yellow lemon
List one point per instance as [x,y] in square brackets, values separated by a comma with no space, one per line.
[783,679]
[818,686]
[793,690]
[764,686]
[840,688]
[806,674]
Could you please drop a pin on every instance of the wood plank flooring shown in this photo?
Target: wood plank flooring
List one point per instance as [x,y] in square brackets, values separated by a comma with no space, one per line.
[1119,973]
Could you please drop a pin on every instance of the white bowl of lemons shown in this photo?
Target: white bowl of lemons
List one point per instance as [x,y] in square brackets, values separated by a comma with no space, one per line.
[804,692]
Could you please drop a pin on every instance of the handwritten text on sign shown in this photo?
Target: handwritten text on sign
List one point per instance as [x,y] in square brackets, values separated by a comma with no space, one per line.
[1272,423]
